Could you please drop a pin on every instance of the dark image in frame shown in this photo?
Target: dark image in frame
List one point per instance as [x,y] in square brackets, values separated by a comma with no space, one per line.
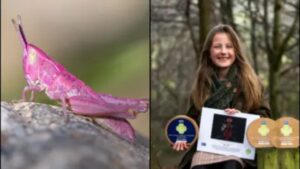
[228,128]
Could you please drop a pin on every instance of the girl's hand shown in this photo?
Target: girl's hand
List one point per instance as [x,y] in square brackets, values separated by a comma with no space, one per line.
[180,146]
[230,111]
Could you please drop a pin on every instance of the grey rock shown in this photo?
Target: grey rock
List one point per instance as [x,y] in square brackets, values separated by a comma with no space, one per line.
[36,136]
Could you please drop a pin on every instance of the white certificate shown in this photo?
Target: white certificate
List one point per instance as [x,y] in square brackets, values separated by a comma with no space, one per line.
[225,134]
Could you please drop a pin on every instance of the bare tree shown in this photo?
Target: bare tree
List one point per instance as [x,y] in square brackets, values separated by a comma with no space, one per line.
[276,49]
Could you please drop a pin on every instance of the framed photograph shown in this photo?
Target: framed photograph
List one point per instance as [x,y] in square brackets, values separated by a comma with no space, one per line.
[225,134]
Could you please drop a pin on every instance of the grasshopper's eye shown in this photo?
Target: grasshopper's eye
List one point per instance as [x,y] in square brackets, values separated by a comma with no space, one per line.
[32,57]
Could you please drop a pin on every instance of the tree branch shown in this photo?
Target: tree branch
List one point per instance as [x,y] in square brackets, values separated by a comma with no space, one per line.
[253,37]
[283,46]
[266,27]
[286,70]
[190,28]
[290,47]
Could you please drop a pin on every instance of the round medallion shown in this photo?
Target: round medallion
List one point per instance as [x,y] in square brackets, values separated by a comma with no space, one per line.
[286,133]
[259,132]
[181,128]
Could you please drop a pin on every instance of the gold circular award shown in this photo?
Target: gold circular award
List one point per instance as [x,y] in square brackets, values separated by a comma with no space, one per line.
[286,133]
[259,132]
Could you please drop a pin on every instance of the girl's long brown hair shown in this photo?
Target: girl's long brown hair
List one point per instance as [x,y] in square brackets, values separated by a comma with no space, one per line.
[249,82]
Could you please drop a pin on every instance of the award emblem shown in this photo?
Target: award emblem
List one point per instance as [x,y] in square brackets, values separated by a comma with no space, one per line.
[286,133]
[181,128]
[259,132]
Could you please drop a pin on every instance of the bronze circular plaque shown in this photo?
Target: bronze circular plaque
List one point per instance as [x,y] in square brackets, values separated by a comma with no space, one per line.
[259,132]
[286,133]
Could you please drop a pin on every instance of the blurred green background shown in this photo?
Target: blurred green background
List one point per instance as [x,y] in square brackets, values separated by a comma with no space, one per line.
[103,43]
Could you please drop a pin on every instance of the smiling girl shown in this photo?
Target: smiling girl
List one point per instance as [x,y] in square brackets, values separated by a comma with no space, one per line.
[225,80]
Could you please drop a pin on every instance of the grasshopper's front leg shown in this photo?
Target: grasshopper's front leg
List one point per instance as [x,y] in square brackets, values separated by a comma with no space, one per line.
[32,89]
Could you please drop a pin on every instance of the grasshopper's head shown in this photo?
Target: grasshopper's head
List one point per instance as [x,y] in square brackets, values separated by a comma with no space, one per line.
[33,62]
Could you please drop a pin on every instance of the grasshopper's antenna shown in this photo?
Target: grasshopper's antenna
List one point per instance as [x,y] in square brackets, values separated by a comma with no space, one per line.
[15,24]
[19,28]
[19,21]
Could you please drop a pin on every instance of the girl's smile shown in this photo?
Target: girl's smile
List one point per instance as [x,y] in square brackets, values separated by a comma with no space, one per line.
[222,52]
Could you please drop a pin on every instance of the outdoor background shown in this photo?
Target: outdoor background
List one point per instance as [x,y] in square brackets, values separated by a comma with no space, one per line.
[103,43]
[269,30]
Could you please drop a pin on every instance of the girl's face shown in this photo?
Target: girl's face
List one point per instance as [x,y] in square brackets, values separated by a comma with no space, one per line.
[222,51]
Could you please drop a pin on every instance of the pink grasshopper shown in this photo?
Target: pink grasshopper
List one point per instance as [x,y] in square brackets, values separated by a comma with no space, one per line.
[43,73]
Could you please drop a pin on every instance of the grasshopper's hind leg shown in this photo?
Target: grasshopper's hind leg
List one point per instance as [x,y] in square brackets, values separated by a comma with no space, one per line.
[121,127]
[97,107]
[112,116]
[136,105]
